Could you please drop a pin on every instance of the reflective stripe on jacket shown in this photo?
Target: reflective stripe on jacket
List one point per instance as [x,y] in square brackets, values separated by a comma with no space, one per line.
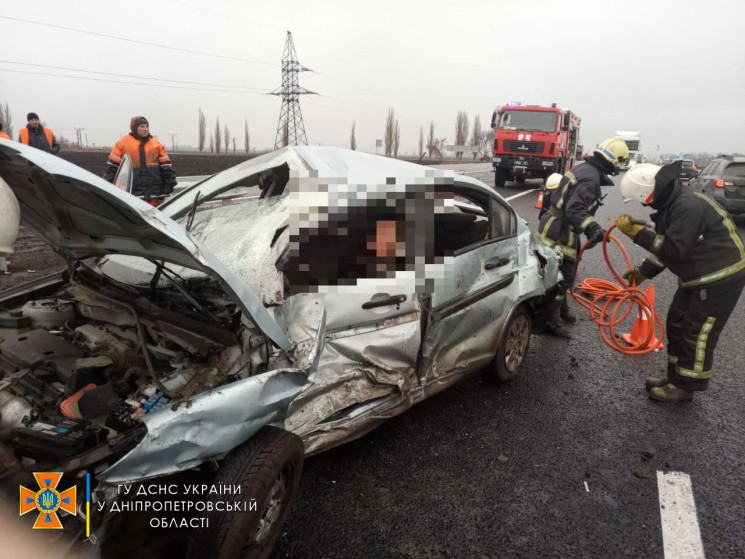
[153,174]
[155,152]
[694,237]
[570,212]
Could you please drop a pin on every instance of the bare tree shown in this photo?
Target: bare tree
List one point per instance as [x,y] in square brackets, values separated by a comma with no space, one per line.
[390,123]
[202,129]
[234,145]
[218,136]
[226,132]
[431,139]
[461,131]
[476,134]
[421,142]
[246,137]
[6,119]
[435,146]
[352,138]
[396,139]
[212,144]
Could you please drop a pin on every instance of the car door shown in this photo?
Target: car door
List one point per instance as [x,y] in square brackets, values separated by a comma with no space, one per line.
[372,333]
[473,295]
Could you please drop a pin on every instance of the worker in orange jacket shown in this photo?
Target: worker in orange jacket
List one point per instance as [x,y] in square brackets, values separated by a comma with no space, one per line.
[38,136]
[3,134]
[153,174]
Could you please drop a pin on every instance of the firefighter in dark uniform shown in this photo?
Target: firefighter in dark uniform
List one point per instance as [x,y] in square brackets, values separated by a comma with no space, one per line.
[570,213]
[697,240]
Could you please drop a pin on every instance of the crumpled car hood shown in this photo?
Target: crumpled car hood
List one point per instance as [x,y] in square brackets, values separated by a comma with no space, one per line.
[81,215]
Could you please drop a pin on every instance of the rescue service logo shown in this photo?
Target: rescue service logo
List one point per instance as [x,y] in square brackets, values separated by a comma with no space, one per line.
[48,500]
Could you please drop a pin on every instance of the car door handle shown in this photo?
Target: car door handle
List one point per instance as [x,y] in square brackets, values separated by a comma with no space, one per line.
[392,300]
[496,263]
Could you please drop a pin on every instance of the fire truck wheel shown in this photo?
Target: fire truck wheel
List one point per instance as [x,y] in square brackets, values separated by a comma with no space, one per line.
[499,177]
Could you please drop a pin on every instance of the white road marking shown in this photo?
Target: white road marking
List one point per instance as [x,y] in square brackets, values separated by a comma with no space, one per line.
[681,536]
[521,194]
[587,487]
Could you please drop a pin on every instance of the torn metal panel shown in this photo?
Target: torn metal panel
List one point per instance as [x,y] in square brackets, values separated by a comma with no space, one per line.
[358,365]
[207,426]
[81,215]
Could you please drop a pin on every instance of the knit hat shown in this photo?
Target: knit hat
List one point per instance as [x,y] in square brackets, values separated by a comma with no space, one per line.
[31,116]
[135,121]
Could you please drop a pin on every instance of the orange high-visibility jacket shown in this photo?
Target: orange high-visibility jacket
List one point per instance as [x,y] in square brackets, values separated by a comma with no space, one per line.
[155,152]
[4,135]
[153,173]
[23,134]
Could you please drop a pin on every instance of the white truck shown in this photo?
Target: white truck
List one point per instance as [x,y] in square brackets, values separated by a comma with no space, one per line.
[632,139]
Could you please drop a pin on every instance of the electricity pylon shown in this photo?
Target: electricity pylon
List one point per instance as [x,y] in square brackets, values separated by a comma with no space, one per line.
[290,129]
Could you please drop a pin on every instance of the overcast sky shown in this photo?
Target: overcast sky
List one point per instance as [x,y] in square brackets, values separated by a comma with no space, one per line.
[675,70]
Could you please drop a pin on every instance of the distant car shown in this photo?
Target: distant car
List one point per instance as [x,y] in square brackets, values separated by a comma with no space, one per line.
[724,180]
[688,169]
[281,307]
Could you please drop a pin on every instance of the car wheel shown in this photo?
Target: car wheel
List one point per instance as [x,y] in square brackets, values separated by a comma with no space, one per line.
[513,347]
[499,177]
[520,179]
[267,468]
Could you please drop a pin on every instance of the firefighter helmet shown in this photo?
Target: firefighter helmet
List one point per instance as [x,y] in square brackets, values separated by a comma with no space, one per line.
[638,183]
[614,150]
[553,181]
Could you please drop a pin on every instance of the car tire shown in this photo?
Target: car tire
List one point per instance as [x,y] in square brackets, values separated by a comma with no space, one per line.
[520,179]
[267,468]
[499,177]
[513,347]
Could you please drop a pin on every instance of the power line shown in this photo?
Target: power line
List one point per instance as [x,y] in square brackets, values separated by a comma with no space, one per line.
[129,75]
[189,51]
[128,83]
[348,84]
[230,17]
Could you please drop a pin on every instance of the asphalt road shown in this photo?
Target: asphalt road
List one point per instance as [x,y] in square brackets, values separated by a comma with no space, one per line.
[562,462]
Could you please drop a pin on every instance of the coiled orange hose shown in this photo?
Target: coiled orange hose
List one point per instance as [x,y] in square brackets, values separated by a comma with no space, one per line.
[610,304]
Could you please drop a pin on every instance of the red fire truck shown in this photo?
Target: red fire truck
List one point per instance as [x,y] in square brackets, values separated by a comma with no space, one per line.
[531,141]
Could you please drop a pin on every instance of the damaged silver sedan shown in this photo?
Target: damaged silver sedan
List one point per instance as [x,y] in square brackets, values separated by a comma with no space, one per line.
[280,308]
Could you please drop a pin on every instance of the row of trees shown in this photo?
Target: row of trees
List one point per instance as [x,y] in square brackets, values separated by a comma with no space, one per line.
[220,138]
[435,147]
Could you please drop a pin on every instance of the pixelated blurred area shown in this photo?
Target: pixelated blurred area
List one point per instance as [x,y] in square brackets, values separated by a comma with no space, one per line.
[314,231]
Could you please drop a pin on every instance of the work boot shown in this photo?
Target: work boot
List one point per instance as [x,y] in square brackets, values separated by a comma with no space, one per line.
[568,316]
[670,393]
[654,382]
[559,332]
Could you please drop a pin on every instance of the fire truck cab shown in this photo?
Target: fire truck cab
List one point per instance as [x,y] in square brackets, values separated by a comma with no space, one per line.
[531,141]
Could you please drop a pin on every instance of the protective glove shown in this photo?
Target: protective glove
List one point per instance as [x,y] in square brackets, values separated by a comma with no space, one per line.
[625,225]
[634,277]
[597,237]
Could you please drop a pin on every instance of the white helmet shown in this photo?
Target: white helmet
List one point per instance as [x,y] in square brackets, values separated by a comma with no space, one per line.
[10,216]
[638,183]
[553,181]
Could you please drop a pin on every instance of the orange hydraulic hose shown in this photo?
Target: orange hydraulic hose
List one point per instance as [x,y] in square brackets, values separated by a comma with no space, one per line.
[610,304]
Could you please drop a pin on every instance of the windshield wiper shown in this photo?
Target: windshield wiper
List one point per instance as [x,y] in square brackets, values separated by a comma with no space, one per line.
[161,270]
[192,211]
